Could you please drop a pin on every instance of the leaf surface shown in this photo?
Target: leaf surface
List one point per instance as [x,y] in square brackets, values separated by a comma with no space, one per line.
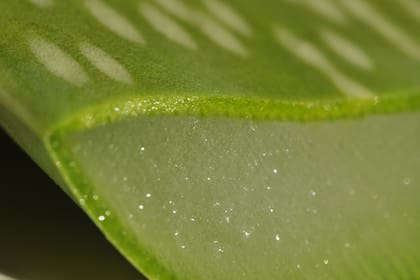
[227,140]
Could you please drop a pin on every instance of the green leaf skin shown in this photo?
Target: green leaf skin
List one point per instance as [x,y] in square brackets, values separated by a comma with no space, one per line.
[227,140]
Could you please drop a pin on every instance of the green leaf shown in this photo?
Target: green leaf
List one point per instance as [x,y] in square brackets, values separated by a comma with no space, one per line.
[227,140]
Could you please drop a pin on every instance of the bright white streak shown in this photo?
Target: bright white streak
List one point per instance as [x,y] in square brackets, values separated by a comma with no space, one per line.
[348,50]
[311,55]
[167,27]
[114,21]
[228,16]
[209,27]
[412,7]
[42,3]
[395,35]
[325,8]
[220,35]
[57,61]
[105,63]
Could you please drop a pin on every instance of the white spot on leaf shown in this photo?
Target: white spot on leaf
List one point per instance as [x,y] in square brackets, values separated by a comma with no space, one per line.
[57,61]
[228,16]
[325,8]
[412,7]
[373,18]
[209,27]
[167,27]
[105,63]
[220,35]
[114,21]
[42,3]
[311,55]
[347,49]
[177,9]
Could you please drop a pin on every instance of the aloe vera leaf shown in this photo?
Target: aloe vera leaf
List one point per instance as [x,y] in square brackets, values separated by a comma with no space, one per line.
[161,117]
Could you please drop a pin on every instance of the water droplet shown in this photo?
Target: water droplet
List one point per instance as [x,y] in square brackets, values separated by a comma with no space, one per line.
[407,181]
[148,195]
[95,197]
[298,266]
[313,193]
[101,218]
[246,233]
[174,211]
[192,219]
[142,149]
[227,219]
[277,237]
[220,250]
[268,188]
[82,201]
[325,261]
[107,213]
[275,171]
[271,210]
[208,179]
[141,206]
[182,246]
[176,233]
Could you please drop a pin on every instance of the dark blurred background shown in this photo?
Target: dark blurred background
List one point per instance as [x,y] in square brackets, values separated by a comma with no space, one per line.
[43,234]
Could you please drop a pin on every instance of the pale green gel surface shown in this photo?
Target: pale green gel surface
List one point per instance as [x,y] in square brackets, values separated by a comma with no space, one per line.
[216,198]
